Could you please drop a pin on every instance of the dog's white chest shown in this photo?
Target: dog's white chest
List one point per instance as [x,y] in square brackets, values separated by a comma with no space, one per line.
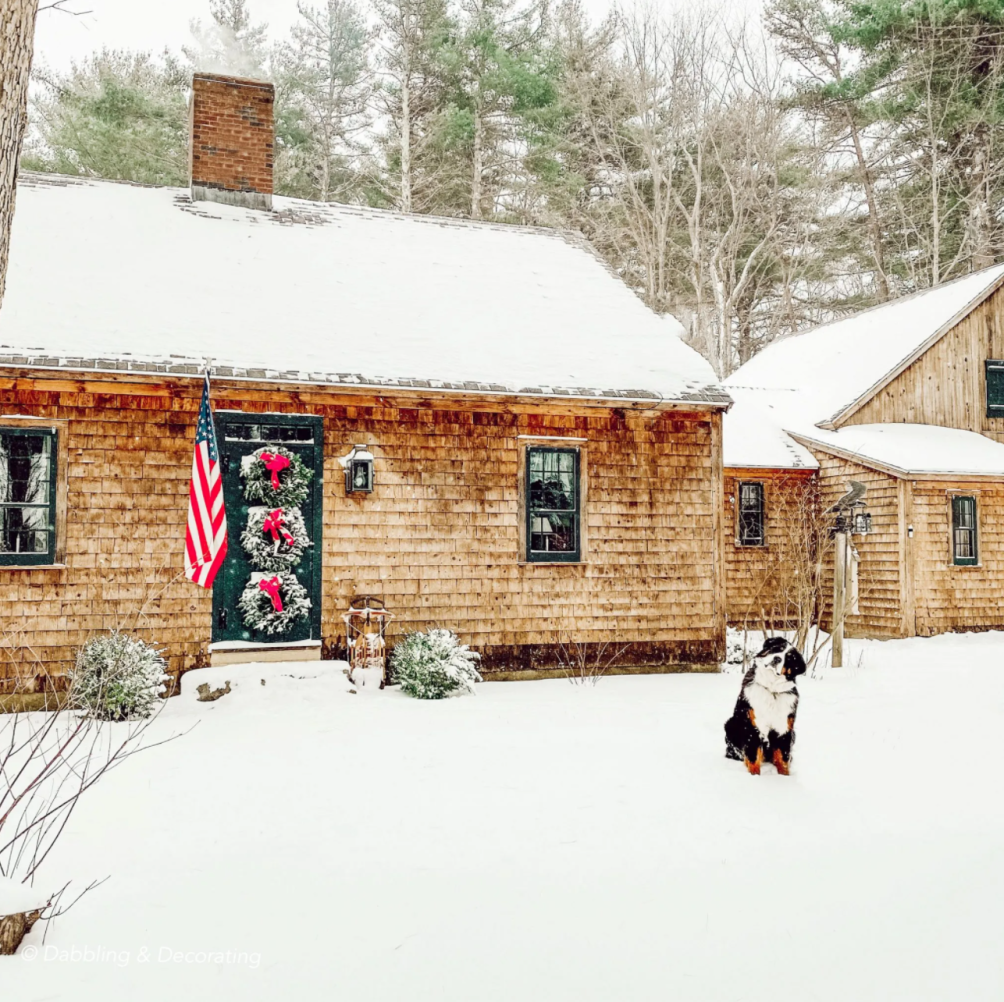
[770,709]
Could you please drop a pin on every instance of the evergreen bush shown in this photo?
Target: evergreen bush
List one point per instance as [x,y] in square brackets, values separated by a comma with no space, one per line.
[117,677]
[434,665]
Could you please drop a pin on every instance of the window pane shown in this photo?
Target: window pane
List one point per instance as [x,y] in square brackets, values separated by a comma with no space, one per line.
[964,515]
[242,432]
[555,492]
[751,514]
[552,533]
[964,530]
[25,468]
[552,501]
[963,543]
[995,385]
[24,530]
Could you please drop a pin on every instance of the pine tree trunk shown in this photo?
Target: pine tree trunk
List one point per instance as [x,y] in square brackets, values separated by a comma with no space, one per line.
[17,43]
[874,228]
[979,210]
[405,145]
[478,165]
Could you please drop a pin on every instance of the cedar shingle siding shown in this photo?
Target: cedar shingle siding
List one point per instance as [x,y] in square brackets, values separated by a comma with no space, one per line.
[440,538]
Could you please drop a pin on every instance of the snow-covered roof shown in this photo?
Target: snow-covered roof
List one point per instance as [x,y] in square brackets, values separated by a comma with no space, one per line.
[753,437]
[915,449]
[822,372]
[106,275]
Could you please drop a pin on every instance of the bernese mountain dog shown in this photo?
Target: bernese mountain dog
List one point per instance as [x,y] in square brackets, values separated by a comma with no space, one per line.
[762,726]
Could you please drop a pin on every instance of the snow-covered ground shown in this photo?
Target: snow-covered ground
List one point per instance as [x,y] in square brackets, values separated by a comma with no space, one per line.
[541,841]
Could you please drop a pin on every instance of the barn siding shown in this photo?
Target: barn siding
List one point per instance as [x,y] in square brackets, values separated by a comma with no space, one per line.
[946,385]
[439,539]
[752,572]
[950,598]
[880,573]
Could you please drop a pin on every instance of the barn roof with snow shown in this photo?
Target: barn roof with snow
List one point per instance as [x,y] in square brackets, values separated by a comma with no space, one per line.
[803,389]
[109,275]
[914,449]
[819,376]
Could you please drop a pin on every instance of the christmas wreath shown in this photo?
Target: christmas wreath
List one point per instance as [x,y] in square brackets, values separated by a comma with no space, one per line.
[274,538]
[271,603]
[275,477]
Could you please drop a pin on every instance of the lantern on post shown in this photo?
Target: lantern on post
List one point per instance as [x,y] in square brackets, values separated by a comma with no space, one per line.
[850,518]
[358,466]
[366,639]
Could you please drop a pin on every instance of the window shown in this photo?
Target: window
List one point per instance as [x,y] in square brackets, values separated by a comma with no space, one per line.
[27,496]
[750,515]
[995,388]
[553,505]
[964,542]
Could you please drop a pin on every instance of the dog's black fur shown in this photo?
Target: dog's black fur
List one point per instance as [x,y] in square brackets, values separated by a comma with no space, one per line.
[768,689]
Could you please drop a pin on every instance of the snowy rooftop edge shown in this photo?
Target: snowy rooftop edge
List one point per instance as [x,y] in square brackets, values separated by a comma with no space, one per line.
[913,449]
[710,395]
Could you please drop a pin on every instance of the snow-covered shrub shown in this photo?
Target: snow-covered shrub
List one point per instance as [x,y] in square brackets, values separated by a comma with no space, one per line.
[117,677]
[433,665]
[736,646]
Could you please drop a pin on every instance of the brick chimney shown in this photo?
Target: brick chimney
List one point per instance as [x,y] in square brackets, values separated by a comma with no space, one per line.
[233,139]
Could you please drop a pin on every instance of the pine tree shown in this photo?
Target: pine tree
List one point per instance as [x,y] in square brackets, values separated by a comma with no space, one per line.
[118,115]
[500,77]
[411,37]
[935,74]
[325,83]
[810,34]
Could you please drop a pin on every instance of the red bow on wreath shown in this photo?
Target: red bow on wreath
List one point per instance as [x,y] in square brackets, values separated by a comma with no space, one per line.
[275,522]
[274,463]
[272,585]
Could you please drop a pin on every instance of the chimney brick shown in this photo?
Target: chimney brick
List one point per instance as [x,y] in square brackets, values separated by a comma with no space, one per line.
[232,140]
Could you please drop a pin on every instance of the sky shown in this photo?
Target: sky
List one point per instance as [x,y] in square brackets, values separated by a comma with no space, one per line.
[153,24]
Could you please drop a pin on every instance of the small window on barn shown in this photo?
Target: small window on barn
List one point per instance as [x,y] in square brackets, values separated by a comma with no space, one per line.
[27,496]
[995,388]
[750,515]
[964,531]
[553,505]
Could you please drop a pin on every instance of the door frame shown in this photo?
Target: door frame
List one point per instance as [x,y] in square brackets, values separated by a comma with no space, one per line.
[220,418]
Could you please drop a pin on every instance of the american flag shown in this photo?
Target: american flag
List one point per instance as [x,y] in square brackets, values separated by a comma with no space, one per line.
[206,539]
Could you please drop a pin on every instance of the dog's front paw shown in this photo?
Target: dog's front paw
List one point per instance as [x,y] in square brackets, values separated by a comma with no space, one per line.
[753,765]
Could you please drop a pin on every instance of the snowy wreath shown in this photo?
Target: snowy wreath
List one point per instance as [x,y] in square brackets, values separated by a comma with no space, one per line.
[275,538]
[276,477]
[272,603]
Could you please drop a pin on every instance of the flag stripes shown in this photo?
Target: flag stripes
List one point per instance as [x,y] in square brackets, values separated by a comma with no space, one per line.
[206,537]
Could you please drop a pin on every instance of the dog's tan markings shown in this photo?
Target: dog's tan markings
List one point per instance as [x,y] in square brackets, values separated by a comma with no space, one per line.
[753,768]
[779,762]
[752,717]
[791,721]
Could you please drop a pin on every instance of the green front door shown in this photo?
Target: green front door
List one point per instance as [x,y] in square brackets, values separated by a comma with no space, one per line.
[240,435]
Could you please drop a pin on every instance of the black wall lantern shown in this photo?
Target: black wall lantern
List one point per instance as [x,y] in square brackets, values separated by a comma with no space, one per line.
[862,523]
[358,470]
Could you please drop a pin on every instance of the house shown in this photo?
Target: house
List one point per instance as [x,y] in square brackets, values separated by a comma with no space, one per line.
[474,362]
[906,398]
[769,493]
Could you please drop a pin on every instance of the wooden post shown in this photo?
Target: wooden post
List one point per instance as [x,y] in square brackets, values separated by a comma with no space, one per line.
[839,597]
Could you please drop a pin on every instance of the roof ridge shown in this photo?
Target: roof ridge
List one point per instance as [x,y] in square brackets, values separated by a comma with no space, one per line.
[56,178]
